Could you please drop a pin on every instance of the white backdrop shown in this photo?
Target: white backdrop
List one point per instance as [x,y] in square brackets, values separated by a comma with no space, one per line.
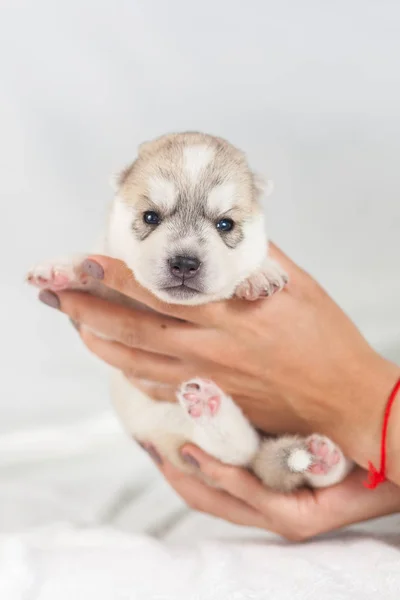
[311,90]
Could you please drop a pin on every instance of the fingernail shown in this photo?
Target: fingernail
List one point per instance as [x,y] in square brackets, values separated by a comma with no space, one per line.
[75,324]
[190,460]
[49,298]
[152,452]
[92,268]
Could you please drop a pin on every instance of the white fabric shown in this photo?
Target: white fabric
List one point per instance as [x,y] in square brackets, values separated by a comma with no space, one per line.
[311,90]
[62,563]
[76,520]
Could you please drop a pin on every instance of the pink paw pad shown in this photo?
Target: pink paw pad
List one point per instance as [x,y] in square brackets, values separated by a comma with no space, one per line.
[51,278]
[200,397]
[325,455]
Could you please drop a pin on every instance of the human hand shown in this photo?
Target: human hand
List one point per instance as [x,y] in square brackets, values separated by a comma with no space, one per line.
[241,499]
[294,362]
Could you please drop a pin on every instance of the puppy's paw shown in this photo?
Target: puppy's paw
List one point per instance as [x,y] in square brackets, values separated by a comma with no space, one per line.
[200,398]
[328,463]
[270,278]
[219,426]
[57,275]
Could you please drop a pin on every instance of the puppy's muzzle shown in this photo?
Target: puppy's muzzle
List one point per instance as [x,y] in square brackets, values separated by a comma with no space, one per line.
[184,267]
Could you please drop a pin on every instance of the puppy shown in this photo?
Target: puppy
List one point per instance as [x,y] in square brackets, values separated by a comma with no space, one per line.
[187,220]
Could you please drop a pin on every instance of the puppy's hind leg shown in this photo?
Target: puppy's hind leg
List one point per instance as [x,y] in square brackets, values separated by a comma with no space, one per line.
[289,462]
[329,465]
[219,426]
[281,462]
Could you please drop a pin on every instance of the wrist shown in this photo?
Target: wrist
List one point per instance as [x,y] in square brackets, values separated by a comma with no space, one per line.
[361,430]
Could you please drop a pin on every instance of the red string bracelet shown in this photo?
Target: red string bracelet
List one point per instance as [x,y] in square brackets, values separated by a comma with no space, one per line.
[376,477]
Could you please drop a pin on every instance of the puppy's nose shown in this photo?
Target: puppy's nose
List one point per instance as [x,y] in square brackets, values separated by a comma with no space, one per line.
[184,267]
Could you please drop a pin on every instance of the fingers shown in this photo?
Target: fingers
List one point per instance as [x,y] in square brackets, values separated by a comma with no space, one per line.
[304,513]
[234,501]
[156,390]
[146,330]
[136,363]
[241,499]
[116,275]
[158,334]
[235,480]
[203,498]
[289,515]
[132,327]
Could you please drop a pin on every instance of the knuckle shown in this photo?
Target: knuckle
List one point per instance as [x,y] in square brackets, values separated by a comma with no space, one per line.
[131,334]
[191,503]
[74,313]
[213,473]
[134,371]
[225,476]
[230,477]
[128,338]
[88,338]
[116,276]
[300,532]
[194,504]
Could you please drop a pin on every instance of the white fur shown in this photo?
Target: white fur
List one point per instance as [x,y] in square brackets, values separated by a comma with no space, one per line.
[223,197]
[148,259]
[299,460]
[195,160]
[162,192]
[227,434]
[120,242]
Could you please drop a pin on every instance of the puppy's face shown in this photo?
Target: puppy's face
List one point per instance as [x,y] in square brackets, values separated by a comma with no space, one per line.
[186,219]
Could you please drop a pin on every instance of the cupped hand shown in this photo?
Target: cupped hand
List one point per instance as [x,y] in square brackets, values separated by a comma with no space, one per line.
[241,499]
[294,362]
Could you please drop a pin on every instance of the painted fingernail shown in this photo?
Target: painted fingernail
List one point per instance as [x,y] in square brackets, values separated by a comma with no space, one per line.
[152,452]
[92,268]
[49,298]
[75,324]
[190,460]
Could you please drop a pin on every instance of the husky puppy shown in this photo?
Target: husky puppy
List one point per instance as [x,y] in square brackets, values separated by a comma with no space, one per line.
[187,220]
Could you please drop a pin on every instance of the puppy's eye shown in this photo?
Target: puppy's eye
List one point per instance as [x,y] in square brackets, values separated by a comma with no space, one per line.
[225,225]
[151,218]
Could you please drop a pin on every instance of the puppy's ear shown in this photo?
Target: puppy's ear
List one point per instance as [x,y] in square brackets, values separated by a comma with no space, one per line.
[117,179]
[153,146]
[264,186]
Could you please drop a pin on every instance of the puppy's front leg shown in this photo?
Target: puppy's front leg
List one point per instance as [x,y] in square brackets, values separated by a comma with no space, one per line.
[59,274]
[69,274]
[267,280]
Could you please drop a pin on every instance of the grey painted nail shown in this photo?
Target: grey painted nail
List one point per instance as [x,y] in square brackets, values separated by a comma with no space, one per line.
[49,298]
[154,454]
[190,460]
[151,451]
[92,268]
